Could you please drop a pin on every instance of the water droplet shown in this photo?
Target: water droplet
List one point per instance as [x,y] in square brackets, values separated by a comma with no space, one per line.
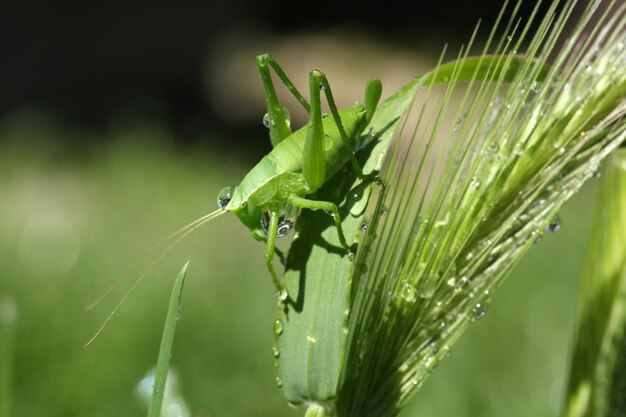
[451,282]
[462,282]
[287,116]
[224,197]
[311,339]
[407,292]
[479,311]
[324,115]
[278,327]
[475,182]
[428,287]
[561,150]
[286,221]
[538,236]
[583,133]
[266,120]
[364,226]
[554,227]
[275,352]
[279,382]
[430,361]
[384,211]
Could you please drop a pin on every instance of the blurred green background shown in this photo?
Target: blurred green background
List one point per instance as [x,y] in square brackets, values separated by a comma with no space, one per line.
[119,123]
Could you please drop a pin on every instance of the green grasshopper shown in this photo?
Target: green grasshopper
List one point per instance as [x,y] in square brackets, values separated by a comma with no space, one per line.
[269,197]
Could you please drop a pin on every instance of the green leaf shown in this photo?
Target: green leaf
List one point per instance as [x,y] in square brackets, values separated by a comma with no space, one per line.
[597,382]
[165,351]
[311,326]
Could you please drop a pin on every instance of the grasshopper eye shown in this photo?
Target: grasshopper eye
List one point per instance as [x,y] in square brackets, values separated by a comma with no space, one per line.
[224,197]
[285,225]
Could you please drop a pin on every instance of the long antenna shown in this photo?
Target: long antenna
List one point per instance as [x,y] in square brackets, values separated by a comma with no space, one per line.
[190,228]
[162,242]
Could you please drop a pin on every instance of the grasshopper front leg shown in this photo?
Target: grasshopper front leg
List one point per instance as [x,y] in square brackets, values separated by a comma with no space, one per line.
[279,125]
[269,255]
[262,237]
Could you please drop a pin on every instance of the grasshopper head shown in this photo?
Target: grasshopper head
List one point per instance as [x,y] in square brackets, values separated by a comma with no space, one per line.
[230,199]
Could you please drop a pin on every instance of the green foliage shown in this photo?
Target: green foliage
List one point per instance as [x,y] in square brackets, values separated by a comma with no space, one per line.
[463,204]
[463,212]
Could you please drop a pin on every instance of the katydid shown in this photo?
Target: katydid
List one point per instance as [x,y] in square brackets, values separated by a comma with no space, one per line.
[269,197]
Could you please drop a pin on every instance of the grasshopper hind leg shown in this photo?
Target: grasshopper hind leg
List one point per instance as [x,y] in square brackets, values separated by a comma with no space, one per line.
[327,206]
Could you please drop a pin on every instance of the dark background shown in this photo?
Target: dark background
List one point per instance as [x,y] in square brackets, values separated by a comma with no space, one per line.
[84,61]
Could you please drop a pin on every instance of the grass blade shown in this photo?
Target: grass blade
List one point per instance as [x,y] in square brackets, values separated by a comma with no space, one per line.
[598,365]
[8,319]
[165,350]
